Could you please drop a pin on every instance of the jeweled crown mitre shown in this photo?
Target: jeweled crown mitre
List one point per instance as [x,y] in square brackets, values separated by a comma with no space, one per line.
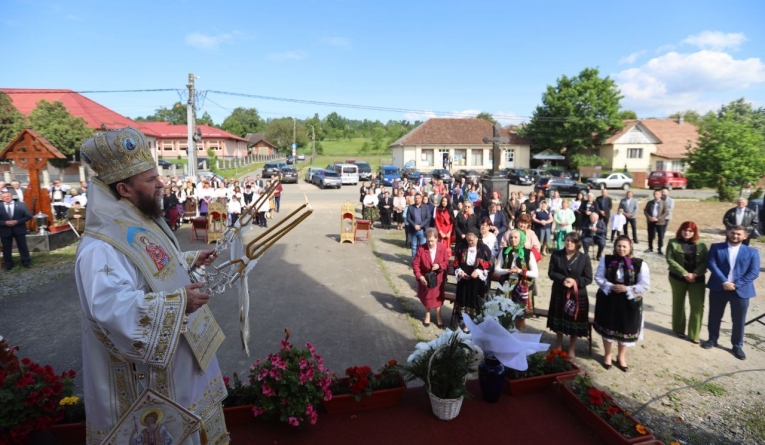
[117,154]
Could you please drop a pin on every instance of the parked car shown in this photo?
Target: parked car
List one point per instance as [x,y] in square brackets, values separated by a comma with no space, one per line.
[365,171]
[467,174]
[201,163]
[426,177]
[412,175]
[664,178]
[327,178]
[564,186]
[487,174]
[309,173]
[289,175]
[387,174]
[408,172]
[559,174]
[290,160]
[301,157]
[164,164]
[272,169]
[612,181]
[536,174]
[518,176]
[443,175]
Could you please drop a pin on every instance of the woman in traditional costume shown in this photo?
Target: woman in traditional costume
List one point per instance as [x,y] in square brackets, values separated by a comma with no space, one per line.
[472,262]
[431,257]
[571,272]
[370,211]
[517,266]
[622,282]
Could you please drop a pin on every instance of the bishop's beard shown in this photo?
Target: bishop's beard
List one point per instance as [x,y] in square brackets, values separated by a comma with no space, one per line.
[149,205]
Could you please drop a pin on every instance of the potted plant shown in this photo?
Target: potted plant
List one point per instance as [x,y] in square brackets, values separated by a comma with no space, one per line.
[543,370]
[288,385]
[31,395]
[362,389]
[237,406]
[71,429]
[600,411]
[443,364]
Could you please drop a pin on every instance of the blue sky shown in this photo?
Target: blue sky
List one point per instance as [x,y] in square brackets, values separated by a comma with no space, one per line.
[428,58]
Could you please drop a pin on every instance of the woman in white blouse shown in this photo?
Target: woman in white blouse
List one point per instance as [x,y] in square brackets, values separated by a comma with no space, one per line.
[622,282]
[517,265]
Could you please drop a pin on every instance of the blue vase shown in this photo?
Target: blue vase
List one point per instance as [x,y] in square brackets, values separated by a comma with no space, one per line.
[491,378]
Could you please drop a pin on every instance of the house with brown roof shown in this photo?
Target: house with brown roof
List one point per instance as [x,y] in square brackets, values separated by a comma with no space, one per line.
[259,145]
[644,145]
[462,141]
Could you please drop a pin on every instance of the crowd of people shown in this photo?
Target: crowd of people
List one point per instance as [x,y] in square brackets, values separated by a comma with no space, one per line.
[456,230]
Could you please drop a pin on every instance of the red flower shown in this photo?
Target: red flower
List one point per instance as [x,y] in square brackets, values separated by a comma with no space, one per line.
[20,433]
[50,405]
[33,398]
[225,380]
[596,396]
[612,411]
[26,361]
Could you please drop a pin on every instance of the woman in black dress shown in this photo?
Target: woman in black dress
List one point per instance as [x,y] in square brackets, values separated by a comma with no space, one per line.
[471,266]
[622,282]
[571,272]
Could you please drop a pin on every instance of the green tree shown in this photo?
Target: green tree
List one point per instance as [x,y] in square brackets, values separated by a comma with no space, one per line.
[212,160]
[742,111]
[242,121]
[175,115]
[578,113]
[487,117]
[627,114]
[690,116]
[279,132]
[66,132]
[729,151]
[11,121]
[206,119]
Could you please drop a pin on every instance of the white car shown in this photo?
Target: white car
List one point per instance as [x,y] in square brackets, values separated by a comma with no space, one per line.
[612,181]
[301,157]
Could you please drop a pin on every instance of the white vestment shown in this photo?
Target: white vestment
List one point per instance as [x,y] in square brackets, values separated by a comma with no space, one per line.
[132,333]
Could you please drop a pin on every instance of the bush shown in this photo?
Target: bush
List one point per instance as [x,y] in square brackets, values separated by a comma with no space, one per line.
[757,194]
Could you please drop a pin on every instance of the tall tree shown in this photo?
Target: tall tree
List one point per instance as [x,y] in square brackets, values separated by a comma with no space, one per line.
[279,132]
[66,132]
[729,151]
[627,114]
[487,117]
[206,119]
[578,113]
[242,121]
[742,111]
[175,115]
[11,120]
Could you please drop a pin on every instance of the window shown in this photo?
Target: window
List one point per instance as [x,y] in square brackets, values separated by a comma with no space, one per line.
[476,157]
[167,145]
[634,153]
[509,156]
[659,165]
[427,157]
[460,156]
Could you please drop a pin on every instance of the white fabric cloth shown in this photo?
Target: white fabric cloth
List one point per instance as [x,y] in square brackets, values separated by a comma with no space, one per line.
[510,349]
[732,255]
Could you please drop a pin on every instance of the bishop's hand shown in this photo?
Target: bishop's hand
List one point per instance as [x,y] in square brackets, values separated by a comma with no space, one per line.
[205,258]
[194,298]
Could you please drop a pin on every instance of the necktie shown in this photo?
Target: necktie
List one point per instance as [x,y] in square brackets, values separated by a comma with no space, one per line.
[8,210]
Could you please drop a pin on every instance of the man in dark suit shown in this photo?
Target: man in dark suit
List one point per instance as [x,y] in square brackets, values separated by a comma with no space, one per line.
[13,218]
[497,218]
[741,215]
[385,206]
[630,207]
[733,268]
[594,234]
[605,204]
[656,214]
[418,218]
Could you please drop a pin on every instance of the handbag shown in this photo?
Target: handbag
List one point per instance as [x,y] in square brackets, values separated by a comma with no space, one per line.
[537,255]
[571,308]
[521,290]
[432,279]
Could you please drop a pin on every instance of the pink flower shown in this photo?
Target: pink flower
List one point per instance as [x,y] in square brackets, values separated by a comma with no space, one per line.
[267,391]
[309,409]
[262,374]
[284,401]
[311,349]
[293,421]
[275,374]
[313,417]
[256,411]
[327,396]
[320,367]
[303,363]
[286,345]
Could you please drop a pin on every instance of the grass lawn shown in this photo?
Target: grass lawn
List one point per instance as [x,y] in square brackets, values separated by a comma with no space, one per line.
[343,147]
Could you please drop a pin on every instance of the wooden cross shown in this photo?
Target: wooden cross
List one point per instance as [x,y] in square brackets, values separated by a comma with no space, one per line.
[495,154]
[31,152]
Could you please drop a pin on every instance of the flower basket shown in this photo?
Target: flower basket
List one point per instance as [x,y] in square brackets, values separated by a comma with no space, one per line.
[605,430]
[69,433]
[378,399]
[238,415]
[444,409]
[551,366]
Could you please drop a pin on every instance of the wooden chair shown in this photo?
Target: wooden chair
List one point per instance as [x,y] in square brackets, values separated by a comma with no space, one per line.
[198,225]
[216,221]
[363,227]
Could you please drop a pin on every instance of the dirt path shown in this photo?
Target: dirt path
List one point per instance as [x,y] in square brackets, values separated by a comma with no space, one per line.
[681,391]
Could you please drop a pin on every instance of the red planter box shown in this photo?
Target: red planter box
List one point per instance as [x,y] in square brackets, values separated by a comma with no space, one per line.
[238,415]
[517,387]
[600,426]
[378,399]
[69,433]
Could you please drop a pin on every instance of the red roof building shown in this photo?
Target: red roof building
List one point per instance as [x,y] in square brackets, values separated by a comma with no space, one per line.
[172,141]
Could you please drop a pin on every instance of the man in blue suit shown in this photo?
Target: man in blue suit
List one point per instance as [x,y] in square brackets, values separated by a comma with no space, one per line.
[733,268]
[498,220]
[13,219]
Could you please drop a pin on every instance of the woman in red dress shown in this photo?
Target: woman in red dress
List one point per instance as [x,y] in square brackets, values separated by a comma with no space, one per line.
[445,223]
[431,257]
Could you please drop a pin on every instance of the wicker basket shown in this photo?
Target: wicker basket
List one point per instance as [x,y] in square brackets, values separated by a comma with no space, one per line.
[444,409]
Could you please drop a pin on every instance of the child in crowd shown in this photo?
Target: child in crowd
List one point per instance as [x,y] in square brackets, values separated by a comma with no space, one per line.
[618,220]
[234,209]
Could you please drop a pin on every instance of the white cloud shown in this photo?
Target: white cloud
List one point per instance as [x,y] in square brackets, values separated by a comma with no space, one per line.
[716,40]
[206,41]
[629,60]
[341,42]
[675,81]
[288,55]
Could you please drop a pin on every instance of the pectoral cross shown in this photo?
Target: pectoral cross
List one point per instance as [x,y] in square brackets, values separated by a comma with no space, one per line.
[495,153]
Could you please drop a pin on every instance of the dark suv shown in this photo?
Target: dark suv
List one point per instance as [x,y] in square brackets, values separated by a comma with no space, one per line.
[289,175]
[365,171]
[564,186]
[272,169]
[442,174]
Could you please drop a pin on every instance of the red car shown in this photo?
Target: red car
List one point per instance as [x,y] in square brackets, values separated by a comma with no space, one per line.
[669,179]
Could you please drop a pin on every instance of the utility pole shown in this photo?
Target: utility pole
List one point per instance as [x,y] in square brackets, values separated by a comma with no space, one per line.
[313,142]
[191,124]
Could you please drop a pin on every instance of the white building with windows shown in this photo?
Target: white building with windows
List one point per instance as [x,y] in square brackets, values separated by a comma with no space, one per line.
[460,140]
